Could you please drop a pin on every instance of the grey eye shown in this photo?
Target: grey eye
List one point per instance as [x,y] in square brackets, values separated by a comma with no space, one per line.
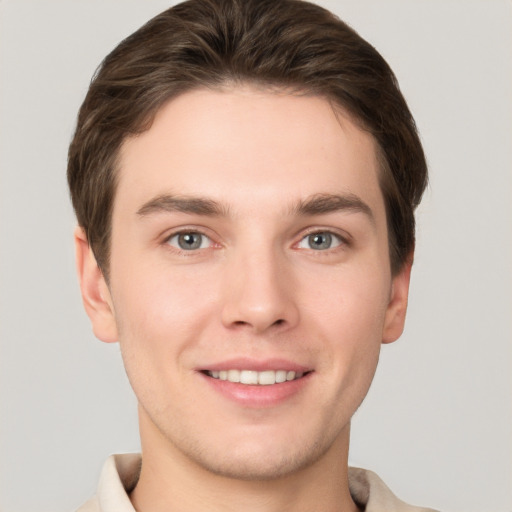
[189,241]
[320,241]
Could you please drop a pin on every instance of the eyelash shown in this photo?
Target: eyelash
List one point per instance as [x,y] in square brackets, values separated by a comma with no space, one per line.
[339,240]
[184,232]
[336,238]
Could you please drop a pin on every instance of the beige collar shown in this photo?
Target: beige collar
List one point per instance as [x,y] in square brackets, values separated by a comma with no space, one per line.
[121,472]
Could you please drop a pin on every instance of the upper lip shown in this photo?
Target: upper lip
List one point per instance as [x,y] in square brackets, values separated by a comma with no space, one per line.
[257,365]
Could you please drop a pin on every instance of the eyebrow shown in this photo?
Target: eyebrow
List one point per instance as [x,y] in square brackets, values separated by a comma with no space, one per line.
[168,203]
[330,203]
[317,204]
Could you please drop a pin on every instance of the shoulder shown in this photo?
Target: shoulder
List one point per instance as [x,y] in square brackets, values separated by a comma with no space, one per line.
[118,477]
[372,495]
[91,505]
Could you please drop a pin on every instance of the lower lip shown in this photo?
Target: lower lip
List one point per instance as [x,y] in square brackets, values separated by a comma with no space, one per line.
[258,396]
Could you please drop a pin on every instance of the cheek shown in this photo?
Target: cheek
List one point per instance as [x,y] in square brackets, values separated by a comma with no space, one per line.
[350,299]
[159,314]
[158,322]
[157,298]
[351,314]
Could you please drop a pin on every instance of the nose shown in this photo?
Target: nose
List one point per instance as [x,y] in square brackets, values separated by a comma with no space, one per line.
[259,293]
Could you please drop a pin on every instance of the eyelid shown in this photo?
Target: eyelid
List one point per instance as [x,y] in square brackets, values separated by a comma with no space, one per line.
[344,238]
[204,239]
[169,235]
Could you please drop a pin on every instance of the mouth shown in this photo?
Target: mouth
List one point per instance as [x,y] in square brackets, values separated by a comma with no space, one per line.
[258,383]
[256,378]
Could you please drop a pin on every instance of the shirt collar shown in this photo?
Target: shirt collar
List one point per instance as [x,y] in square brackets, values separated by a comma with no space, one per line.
[120,474]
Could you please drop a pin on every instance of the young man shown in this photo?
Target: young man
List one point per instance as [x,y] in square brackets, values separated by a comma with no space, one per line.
[244,175]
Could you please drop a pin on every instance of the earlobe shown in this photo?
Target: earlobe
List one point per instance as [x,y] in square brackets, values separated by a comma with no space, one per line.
[95,292]
[397,307]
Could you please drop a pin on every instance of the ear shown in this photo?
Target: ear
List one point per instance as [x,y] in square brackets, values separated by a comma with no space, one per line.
[397,307]
[95,292]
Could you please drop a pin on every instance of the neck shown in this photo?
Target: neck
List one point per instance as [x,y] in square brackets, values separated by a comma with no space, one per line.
[170,480]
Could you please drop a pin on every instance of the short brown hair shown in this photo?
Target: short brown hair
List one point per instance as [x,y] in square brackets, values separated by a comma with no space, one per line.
[207,43]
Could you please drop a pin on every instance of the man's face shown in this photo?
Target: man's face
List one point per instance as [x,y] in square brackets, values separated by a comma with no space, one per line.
[249,242]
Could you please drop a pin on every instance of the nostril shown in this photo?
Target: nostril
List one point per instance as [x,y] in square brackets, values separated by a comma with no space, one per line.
[242,323]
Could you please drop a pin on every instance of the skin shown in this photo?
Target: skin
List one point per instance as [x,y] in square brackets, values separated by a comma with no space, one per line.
[258,288]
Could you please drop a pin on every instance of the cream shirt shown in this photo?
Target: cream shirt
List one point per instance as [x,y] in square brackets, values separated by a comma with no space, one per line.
[121,472]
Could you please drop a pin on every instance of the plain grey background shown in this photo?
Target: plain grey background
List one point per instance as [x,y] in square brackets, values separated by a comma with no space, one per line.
[437,423]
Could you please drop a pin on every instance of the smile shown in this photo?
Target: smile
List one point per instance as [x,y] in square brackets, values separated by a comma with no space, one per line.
[254,378]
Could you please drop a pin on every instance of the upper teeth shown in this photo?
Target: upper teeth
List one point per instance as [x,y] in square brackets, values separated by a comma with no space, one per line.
[251,377]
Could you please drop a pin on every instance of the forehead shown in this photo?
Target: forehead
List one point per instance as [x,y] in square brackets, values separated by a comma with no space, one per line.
[244,146]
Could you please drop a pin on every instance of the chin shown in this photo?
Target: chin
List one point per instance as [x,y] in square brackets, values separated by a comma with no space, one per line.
[259,467]
[259,460]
